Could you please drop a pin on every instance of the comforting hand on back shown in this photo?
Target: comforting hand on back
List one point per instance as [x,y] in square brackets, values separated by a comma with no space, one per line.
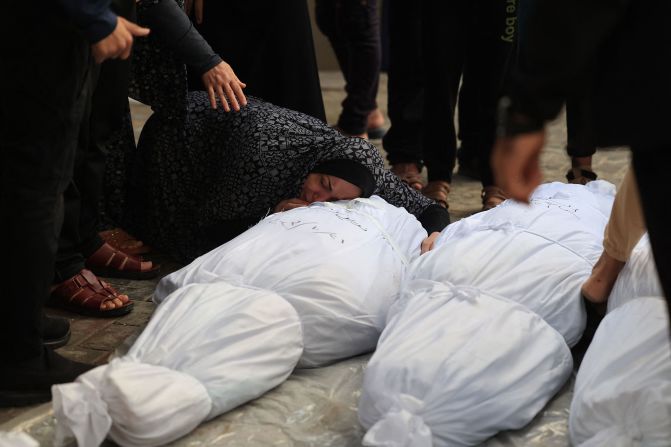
[220,81]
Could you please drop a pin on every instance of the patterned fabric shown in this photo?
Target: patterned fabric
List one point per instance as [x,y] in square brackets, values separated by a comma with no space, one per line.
[196,168]
[157,77]
[222,166]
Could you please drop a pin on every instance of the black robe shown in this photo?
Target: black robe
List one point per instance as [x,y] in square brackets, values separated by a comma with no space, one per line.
[269,45]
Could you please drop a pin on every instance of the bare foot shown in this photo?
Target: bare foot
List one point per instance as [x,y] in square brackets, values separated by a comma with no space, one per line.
[116,303]
[87,294]
[598,286]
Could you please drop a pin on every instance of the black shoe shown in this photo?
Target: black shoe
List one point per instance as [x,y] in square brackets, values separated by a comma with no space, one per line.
[55,331]
[30,382]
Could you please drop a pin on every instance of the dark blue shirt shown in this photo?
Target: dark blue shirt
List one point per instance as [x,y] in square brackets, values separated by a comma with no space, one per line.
[93,17]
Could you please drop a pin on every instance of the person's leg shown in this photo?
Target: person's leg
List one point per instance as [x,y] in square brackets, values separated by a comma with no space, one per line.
[40,127]
[581,145]
[625,228]
[328,22]
[80,245]
[490,53]
[443,45]
[467,154]
[359,26]
[405,89]
[651,166]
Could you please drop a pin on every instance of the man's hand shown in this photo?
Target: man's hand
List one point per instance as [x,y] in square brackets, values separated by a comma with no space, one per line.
[427,244]
[221,81]
[289,204]
[197,6]
[119,43]
[515,162]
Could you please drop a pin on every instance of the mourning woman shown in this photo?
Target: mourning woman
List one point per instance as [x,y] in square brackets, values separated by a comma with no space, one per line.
[201,176]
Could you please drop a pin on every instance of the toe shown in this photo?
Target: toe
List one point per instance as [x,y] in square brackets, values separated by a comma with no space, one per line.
[146,266]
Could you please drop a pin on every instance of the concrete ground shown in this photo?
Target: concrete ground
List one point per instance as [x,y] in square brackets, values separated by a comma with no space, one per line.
[93,340]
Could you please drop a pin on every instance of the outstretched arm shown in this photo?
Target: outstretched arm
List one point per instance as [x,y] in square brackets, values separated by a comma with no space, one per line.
[171,24]
[110,36]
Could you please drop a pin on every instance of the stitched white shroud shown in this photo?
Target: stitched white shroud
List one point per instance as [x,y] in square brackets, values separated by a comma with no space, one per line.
[537,255]
[455,366]
[306,287]
[622,395]
[478,341]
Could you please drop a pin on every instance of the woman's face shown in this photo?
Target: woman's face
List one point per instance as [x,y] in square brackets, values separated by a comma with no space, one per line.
[327,188]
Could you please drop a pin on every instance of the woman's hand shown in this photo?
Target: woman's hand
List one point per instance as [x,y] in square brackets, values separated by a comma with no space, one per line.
[221,81]
[197,6]
[289,204]
[427,244]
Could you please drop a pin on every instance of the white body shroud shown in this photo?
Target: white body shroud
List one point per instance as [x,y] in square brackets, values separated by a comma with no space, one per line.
[305,287]
[537,255]
[455,366]
[622,395]
[479,341]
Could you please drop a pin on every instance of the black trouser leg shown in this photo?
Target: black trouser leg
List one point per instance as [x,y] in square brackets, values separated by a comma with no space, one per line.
[651,166]
[489,53]
[103,116]
[403,140]
[579,128]
[443,45]
[42,104]
[87,174]
[69,259]
[353,29]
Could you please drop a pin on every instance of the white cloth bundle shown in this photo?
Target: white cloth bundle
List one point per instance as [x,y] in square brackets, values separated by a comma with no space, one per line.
[312,284]
[537,255]
[455,366]
[207,349]
[638,277]
[339,264]
[622,395]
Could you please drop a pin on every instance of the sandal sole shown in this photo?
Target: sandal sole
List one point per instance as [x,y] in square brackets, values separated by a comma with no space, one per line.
[56,343]
[57,302]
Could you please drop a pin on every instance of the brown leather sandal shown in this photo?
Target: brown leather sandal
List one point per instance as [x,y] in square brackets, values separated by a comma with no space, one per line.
[84,293]
[124,242]
[409,173]
[437,190]
[580,176]
[492,196]
[112,263]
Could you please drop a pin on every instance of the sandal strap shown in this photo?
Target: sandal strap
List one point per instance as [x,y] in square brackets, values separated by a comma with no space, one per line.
[580,176]
[493,192]
[116,235]
[110,257]
[123,241]
[412,179]
[85,290]
[437,190]
[492,196]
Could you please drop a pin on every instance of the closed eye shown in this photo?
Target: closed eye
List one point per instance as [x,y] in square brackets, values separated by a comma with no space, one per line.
[326,183]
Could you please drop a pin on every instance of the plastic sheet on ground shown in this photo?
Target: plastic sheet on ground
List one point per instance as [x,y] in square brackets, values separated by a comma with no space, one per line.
[318,408]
